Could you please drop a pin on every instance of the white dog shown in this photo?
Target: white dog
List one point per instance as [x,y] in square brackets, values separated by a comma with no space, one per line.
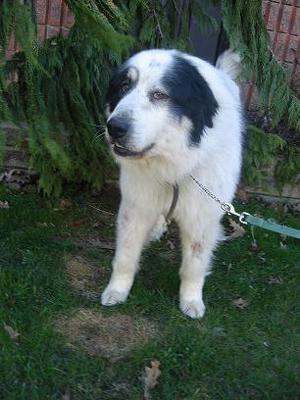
[170,116]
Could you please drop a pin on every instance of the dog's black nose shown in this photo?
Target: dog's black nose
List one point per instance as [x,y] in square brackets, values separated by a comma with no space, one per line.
[117,127]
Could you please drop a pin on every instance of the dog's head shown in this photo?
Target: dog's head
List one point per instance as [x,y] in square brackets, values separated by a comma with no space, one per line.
[158,104]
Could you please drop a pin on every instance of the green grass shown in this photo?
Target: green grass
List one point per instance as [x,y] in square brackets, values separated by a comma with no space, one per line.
[232,353]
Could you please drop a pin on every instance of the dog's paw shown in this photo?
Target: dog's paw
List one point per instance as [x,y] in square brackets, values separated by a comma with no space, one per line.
[193,309]
[111,297]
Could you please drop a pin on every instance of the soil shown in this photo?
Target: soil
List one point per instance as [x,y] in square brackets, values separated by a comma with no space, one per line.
[86,277]
[111,337]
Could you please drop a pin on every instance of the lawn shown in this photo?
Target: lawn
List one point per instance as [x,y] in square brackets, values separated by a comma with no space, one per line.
[57,342]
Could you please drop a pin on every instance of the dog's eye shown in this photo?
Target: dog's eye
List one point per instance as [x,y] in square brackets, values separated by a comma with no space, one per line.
[124,88]
[157,95]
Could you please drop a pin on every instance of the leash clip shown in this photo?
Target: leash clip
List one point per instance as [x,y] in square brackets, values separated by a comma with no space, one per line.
[229,209]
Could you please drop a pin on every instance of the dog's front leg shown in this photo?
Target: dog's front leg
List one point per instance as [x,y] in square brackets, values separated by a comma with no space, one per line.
[133,229]
[198,243]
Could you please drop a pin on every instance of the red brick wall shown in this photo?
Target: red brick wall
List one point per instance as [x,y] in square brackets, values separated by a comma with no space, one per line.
[53,17]
[283,23]
[282,20]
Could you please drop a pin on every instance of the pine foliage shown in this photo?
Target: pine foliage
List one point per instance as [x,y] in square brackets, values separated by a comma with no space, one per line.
[246,30]
[59,88]
[269,155]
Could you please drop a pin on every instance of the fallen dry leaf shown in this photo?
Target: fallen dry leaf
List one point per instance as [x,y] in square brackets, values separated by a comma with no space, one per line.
[78,222]
[171,245]
[65,203]
[237,229]
[16,179]
[11,332]
[241,303]
[151,378]
[4,204]
[242,195]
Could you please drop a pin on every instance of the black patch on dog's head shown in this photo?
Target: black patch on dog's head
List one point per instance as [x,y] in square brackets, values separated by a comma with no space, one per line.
[190,96]
[115,92]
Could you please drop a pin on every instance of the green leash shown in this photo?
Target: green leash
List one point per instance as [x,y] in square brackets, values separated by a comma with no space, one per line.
[246,218]
[272,226]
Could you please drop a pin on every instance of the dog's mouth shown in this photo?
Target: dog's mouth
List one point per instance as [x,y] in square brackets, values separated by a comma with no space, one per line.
[125,152]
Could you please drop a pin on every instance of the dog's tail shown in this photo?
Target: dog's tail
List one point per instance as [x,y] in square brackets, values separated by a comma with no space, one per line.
[230,62]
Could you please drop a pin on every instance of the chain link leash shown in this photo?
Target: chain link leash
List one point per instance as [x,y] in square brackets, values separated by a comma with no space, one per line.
[226,207]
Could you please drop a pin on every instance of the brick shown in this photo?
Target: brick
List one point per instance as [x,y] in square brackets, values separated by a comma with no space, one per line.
[41,11]
[52,31]
[266,7]
[296,27]
[68,17]
[54,14]
[65,31]
[252,96]
[278,47]
[11,43]
[286,19]
[9,54]
[274,11]
[286,46]
[292,2]
[41,31]
[289,2]
[292,49]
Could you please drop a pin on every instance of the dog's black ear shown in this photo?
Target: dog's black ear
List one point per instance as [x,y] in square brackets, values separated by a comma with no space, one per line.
[190,96]
[114,92]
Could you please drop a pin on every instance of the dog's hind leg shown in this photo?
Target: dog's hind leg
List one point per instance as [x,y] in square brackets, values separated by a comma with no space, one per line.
[198,243]
[133,230]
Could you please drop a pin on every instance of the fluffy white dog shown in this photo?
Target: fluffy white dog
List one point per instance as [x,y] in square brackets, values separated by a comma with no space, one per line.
[170,116]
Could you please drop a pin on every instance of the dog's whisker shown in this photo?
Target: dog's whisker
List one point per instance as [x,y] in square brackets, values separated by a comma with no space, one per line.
[97,125]
[98,137]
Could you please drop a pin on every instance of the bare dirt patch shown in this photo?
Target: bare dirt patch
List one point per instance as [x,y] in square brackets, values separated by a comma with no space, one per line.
[85,277]
[112,337]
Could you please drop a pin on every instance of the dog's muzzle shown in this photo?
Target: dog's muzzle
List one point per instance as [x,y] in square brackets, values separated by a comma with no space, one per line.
[118,128]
